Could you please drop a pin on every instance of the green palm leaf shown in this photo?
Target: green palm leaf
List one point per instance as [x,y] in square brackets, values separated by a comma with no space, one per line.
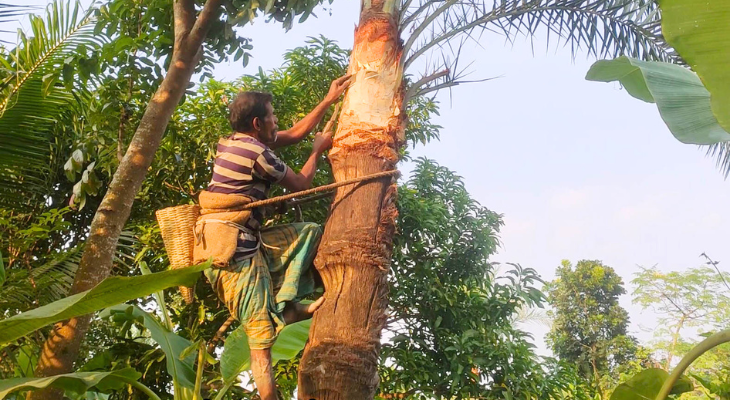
[600,27]
[50,281]
[11,12]
[35,104]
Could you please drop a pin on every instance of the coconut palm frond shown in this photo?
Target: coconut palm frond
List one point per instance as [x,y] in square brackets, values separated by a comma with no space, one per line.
[11,12]
[25,289]
[526,316]
[37,96]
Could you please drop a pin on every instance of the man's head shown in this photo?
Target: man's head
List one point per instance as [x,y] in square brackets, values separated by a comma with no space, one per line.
[252,113]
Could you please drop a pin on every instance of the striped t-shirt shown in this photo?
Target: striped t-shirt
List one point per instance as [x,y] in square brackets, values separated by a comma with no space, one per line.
[243,165]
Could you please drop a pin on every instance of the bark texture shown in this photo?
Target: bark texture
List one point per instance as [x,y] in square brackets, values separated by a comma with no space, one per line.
[62,346]
[341,358]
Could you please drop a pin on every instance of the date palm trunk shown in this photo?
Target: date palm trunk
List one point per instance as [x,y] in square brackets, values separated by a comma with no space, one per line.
[341,358]
[62,346]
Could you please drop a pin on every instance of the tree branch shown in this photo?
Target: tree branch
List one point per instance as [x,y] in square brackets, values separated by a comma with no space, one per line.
[219,334]
[449,84]
[184,12]
[211,10]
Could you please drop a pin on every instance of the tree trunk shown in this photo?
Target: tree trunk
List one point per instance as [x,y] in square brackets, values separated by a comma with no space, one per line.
[341,358]
[62,346]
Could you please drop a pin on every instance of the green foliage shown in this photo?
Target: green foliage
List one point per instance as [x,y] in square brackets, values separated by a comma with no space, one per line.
[111,291]
[589,326]
[236,357]
[78,382]
[700,33]
[2,270]
[179,367]
[646,386]
[451,320]
[39,95]
[695,298]
[682,99]
[11,12]
[602,28]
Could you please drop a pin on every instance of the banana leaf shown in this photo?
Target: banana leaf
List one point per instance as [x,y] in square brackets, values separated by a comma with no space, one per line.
[78,382]
[680,96]
[700,32]
[110,292]
[182,371]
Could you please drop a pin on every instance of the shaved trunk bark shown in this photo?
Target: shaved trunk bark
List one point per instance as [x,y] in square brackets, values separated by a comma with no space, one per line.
[62,346]
[341,358]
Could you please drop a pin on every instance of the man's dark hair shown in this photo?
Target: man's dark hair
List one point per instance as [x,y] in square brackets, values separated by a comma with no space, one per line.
[245,107]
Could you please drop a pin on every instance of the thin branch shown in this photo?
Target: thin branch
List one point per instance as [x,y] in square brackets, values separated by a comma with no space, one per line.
[449,84]
[219,334]
[714,264]
[423,81]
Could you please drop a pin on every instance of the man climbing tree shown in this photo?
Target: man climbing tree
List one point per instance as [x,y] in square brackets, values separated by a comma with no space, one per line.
[260,273]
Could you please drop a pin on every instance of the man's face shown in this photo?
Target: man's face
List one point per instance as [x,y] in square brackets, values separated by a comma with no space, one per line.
[269,126]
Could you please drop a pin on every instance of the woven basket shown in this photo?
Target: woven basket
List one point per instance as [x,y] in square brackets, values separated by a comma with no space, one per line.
[176,226]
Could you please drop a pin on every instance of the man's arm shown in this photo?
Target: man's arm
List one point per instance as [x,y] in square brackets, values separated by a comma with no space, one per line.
[296,182]
[301,129]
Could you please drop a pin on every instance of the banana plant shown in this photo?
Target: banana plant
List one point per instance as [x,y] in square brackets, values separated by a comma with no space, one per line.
[657,384]
[693,99]
[180,353]
[111,291]
[79,382]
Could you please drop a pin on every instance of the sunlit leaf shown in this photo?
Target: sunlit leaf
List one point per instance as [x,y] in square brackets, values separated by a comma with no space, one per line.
[646,385]
[700,32]
[78,382]
[111,291]
[682,100]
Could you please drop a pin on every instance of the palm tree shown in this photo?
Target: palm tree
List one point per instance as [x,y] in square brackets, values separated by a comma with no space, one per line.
[341,358]
[38,103]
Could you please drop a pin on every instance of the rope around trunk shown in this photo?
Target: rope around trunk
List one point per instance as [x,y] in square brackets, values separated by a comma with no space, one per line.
[331,186]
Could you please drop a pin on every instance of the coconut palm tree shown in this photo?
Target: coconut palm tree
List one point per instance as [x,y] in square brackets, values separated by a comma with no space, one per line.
[39,100]
[341,358]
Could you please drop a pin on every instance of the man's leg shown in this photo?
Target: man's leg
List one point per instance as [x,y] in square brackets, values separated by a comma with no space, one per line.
[295,311]
[263,374]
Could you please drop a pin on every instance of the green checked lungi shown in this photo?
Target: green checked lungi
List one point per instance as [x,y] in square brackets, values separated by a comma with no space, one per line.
[255,290]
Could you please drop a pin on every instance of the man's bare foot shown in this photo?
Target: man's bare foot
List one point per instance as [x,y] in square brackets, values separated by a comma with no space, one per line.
[295,312]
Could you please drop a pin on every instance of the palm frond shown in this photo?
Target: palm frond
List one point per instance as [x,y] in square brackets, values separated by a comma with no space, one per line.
[11,12]
[25,289]
[601,28]
[532,315]
[721,152]
[34,101]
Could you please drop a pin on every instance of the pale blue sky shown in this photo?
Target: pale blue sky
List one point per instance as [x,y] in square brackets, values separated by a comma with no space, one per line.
[579,169]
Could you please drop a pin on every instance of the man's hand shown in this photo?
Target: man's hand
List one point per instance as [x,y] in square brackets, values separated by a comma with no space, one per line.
[338,87]
[322,142]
